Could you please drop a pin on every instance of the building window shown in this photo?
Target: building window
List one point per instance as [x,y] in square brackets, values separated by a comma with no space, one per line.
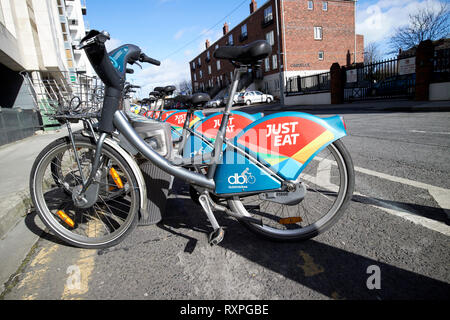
[310,5]
[208,55]
[325,6]
[270,38]
[195,77]
[201,74]
[209,69]
[268,15]
[199,62]
[244,30]
[274,62]
[218,65]
[217,46]
[318,34]
[193,65]
[267,64]
[320,55]
[230,40]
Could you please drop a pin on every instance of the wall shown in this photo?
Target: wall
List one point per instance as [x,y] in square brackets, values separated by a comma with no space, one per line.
[440,91]
[309,99]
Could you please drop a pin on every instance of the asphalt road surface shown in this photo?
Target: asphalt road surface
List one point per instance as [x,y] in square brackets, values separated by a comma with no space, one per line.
[396,227]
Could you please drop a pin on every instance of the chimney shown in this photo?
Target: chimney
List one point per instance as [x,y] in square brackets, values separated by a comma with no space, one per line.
[225,28]
[253,6]
[207,44]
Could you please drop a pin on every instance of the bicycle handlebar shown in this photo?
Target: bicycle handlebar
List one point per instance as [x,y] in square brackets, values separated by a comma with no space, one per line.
[111,68]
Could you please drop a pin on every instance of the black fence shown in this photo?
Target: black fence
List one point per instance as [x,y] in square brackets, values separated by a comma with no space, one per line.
[310,84]
[441,65]
[381,80]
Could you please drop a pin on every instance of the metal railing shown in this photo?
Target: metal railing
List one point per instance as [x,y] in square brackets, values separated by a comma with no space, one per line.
[309,84]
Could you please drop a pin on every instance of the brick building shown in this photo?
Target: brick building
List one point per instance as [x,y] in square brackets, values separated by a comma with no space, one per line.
[314,34]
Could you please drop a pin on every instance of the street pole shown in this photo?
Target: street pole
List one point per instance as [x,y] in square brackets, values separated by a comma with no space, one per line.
[280,60]
[355,34]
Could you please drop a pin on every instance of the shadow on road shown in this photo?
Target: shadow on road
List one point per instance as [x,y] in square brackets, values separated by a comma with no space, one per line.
[331,271]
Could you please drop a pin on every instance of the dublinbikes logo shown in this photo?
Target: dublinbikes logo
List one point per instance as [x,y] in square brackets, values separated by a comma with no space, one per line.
[240,180]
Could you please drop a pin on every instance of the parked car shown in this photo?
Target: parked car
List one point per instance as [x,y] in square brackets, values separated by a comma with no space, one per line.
[394,86]
[235,99]
[252,97]
[215,103]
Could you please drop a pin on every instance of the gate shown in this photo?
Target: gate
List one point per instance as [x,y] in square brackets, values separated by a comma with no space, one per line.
[395,78]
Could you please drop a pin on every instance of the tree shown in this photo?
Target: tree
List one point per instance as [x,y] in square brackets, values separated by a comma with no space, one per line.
[185,86]
[427,23]
[372,53]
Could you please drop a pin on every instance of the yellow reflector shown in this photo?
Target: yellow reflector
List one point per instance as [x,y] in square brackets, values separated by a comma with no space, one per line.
[291,220]
[64,217]
[116,178]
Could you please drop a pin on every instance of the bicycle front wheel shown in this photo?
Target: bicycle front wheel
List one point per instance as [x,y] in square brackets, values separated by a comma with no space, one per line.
[56,175]
[328,183]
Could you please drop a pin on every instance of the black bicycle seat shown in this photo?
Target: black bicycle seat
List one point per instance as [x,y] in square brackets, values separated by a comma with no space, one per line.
[169,90]
[248,54]
[195,101]
[156,94]
[159,89]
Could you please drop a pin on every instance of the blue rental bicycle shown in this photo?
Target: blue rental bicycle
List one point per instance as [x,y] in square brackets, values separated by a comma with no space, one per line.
[286,176]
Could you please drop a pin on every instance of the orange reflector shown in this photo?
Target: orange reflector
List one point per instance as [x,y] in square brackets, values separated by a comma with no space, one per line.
[291,220]
[64,217]
[116,178]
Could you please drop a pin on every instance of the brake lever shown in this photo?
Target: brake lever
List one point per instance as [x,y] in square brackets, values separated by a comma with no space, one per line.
[138,65]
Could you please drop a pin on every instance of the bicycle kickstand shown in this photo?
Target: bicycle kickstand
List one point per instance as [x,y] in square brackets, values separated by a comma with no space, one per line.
[218,234]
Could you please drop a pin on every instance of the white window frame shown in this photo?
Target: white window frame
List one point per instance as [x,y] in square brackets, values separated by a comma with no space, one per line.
[323,55]
[274,62]
[193,64]
[268,14]
[244,34]
[270,37]
[230,40]
[199,61]
[208,55]
[201,74]
[318,33]
[218,65]
[310,5]
[209,69]
[325,5]
[267,64]
[195,77]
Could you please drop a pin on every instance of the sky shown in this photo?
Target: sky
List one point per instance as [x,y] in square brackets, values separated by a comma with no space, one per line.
[174,31]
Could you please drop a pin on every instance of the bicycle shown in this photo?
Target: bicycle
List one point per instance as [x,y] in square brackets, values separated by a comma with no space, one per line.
[297,164]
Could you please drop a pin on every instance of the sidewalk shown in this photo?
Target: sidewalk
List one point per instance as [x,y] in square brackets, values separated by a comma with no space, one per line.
[16,238]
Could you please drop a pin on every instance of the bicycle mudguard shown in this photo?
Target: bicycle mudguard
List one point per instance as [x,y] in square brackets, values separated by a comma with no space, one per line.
[284,142]
[209,127]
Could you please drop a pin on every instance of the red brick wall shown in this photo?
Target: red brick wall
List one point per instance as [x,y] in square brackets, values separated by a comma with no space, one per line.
[338,25]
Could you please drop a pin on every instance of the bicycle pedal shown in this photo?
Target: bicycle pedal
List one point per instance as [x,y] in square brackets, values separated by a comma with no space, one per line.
[216,237]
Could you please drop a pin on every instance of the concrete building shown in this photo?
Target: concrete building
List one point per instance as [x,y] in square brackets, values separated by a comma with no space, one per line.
[38,35]
[311,36]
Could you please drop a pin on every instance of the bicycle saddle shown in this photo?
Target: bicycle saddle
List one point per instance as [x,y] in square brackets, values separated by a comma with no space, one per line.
[169,90]
[156,94]
[248,54]
[195,101]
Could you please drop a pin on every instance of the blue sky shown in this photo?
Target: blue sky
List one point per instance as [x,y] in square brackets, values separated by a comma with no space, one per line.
[174,31]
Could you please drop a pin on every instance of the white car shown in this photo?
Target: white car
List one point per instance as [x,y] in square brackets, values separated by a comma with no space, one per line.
[235,99]
[252,97]
[214,103]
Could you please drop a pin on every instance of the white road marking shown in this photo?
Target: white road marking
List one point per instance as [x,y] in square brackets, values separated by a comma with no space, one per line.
[428,132]
[441,195]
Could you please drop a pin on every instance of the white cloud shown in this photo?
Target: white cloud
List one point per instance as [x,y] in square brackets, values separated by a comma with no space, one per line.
[378,21]
[169,73]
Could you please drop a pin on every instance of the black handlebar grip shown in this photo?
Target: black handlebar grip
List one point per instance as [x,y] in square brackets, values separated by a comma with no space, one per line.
[147,59]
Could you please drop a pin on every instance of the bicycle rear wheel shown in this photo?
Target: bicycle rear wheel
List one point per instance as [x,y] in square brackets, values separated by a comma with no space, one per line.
[55,176]
[328,184]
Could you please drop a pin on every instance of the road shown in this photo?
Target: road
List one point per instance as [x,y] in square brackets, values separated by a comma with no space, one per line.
[396,226]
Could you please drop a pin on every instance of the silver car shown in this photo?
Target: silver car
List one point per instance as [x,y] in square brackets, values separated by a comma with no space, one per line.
[252,97]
